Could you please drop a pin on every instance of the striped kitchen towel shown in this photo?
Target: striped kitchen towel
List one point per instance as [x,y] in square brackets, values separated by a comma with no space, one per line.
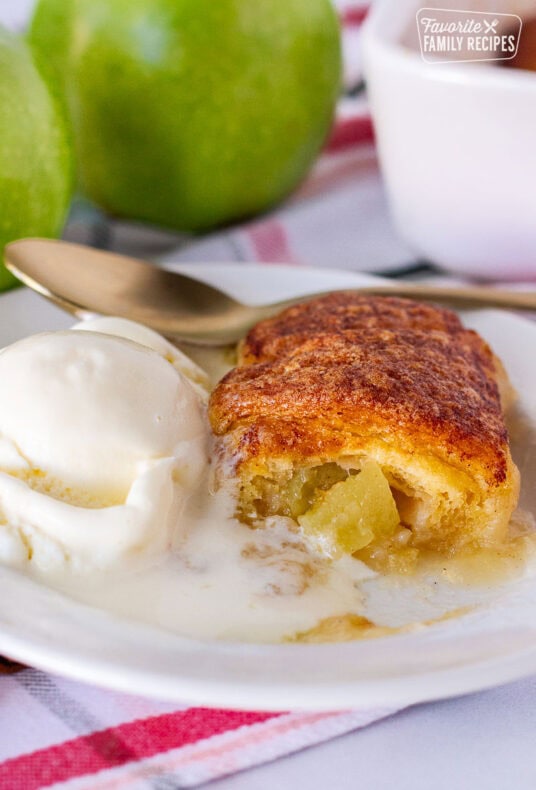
[62,734]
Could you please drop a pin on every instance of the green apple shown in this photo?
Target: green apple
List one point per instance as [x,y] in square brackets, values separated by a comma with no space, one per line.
[35,157]
[192,113]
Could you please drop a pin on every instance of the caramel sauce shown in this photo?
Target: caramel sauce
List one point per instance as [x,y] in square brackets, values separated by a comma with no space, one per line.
[293,566]
[525,57]
[351,627]
[468,566]
[342,628]
[494,565]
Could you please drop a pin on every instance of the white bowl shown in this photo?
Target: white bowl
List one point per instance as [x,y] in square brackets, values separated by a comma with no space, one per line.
[457,145]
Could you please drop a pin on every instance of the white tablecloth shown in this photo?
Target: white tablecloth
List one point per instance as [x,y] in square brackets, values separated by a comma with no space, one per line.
[480,742]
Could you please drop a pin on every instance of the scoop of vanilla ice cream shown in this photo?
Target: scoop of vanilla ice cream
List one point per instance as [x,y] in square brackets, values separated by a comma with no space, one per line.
[131,330]
[101,441]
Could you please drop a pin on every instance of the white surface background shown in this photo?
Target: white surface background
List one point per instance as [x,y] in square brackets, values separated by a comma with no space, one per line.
[481,742]
[13,13]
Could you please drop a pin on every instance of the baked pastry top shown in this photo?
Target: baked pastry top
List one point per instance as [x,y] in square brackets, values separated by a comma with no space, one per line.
[342,381]
[337,313]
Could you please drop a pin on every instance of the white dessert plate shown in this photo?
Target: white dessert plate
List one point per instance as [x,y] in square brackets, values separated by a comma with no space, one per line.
[489,645]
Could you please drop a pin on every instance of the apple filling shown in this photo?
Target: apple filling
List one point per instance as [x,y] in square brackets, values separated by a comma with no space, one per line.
[340,511]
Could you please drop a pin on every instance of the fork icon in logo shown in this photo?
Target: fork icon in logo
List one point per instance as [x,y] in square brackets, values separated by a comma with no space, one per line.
[490,26]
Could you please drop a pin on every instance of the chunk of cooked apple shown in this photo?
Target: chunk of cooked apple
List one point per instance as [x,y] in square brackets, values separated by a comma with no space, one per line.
[352,513]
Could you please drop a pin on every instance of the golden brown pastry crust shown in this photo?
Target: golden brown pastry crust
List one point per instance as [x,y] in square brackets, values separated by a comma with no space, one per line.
[345,311]
[337,313]
[409,385]
[348,375]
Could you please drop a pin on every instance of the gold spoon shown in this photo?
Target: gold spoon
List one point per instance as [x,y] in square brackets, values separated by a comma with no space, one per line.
[83,280]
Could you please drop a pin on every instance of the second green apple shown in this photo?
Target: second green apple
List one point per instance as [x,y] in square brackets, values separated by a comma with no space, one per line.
[191,113]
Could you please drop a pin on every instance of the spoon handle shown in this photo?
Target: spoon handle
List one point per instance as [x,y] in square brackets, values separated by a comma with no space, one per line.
[481,296]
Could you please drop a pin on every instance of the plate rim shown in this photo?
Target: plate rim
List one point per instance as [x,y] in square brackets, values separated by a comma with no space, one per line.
[395,691]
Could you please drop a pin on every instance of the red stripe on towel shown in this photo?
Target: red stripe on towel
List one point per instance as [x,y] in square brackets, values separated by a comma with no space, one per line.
[353,17]
[348,132]
[270,242]
[120,745]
